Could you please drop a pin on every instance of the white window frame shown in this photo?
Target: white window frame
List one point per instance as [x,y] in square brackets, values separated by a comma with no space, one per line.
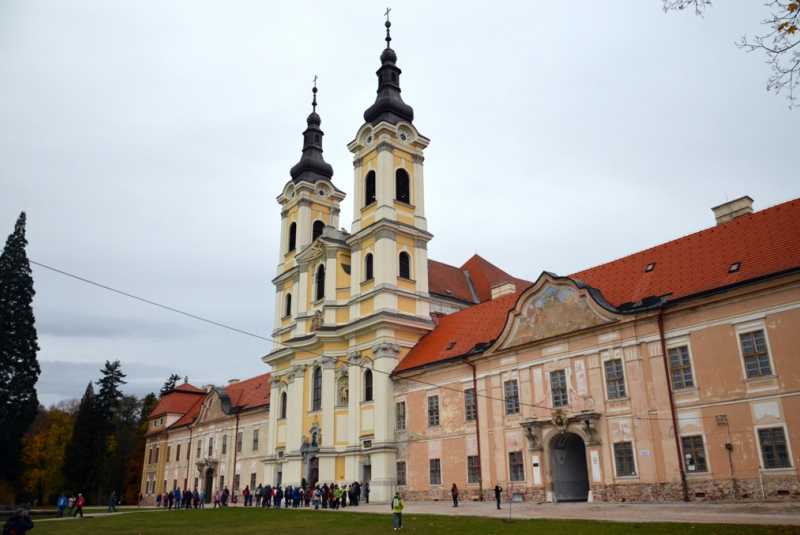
[708,472]
[611,356]
[675,343]
[750,327]
[635,459]
[792,466]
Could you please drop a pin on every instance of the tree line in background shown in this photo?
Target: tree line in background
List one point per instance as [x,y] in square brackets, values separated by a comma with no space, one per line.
[91,446]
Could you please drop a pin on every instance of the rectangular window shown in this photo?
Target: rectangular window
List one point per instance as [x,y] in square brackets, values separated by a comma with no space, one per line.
[158,449]
[473,469]
[773,448]
[211,446]
[436,472]
[401,472]
[695,454]
[756,358]
[224,444]
[623,457]
[239,440]
[199,448]
[165,485]
[512,397]
[168,454]
[558,384]
[195,482]
[400,415]
[177,452]
[614,379]
[188,450]
[470,405]
[221,482]
[236,482]
[252,481]
[433,411]
[174,484]
[516,466]
[255,440]
[679,368]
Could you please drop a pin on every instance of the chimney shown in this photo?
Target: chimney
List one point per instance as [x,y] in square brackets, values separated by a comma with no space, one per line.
[233,382]
[505,288]
[733,209]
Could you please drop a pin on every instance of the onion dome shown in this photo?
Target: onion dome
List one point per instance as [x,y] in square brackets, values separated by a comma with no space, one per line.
[389,105]
[312,166]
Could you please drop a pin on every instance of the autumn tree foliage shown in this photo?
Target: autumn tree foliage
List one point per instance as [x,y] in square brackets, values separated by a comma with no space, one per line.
[44,454]
[780,42]
[19,368]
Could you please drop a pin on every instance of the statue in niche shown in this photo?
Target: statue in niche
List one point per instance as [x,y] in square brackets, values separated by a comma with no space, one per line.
[317,321]
[344,392]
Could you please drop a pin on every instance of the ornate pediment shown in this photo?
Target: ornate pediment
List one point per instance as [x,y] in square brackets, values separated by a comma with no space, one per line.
[552,309]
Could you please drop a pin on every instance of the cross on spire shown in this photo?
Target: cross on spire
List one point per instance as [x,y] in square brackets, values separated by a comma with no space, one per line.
[314,91]
[388,25]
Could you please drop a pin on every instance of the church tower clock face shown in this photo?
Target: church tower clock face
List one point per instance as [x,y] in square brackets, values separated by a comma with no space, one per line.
[403,136]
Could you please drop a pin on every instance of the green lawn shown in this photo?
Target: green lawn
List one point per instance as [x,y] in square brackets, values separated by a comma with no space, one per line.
[254,521]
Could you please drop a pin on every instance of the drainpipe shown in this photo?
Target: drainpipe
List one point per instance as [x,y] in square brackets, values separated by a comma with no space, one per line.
[672,404]
[477,429]
[235,450]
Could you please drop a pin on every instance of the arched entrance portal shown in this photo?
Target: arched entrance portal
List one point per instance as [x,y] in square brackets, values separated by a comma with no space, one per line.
[313,472]
[209,483]
[568,468]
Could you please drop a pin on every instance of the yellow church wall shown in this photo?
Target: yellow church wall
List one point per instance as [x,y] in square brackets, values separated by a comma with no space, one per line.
[366,337]
[367,418]
[286,336]
[367,306]
[407,284]
[367,221]
[406,305]
[342,315]
[286,321]
[404,218]
[335,346]
[281,434]
[340,468]
[367,286]
[403,208]
[342,277]
[403,335]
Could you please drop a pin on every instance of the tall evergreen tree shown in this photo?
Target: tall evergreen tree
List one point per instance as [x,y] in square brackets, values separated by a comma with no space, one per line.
[108,401]
[19,369]
[170,383]
[81,451]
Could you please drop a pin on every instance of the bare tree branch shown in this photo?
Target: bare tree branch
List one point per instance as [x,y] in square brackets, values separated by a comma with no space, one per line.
[679,5]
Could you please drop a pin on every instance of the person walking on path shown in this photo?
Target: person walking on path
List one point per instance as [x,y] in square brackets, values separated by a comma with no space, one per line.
[141,498]
[112,501]
[170,499]
[497,490]
[278,497]
[454,492]
[79,505]
[258,493]
[19,523]
[178,498]
[397,511]
[158,500]
[366,492]
[62,503]
[203,500]
[70,505]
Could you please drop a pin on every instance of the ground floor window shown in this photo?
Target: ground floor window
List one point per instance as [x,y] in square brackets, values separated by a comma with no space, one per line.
[174,484]
[695,454]
[221,482]
[473,469]
[195,483]
[516,467]
[252,481]
[436,471]
[401,472]
[773,448]
[236,483]
[623,457]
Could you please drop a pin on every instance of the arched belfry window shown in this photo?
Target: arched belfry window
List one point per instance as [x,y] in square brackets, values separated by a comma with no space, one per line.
[402,186]
[316,138]
[292,237]
[317,400]
[283,405]
[320,283]
[369,188]
[287,309]
[368,275]
[368,385]
[404,266]
[319,226]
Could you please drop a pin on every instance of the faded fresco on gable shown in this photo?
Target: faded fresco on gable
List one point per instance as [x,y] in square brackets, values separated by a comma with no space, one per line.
[555,310]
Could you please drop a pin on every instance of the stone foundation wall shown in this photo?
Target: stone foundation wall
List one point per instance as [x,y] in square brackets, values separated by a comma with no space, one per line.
[775,488]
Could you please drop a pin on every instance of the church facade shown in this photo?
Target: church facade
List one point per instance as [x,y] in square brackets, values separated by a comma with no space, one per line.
[671,374]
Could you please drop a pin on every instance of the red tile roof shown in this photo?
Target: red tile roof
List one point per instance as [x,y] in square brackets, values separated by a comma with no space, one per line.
[765,243]
[486,275]
[450,281]
[250,393]
[191,414]
[476,324]
[177,401]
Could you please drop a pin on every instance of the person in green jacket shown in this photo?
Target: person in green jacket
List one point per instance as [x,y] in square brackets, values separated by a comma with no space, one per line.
[397,511]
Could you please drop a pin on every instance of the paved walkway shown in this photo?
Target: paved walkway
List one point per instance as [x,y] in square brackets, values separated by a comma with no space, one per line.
[787,513]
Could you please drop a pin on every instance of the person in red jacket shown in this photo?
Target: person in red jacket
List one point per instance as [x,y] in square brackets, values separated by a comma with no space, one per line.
[79,506]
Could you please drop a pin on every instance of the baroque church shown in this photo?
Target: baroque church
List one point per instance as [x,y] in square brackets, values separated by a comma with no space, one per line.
[670,374]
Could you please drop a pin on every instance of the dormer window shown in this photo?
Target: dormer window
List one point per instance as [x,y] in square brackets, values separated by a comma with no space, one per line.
[650,267]
[734,267]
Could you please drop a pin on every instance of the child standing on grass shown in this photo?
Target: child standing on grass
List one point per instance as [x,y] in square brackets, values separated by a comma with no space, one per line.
[397,511]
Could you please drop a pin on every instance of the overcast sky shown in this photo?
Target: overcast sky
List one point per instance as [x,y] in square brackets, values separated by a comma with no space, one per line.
[147,142]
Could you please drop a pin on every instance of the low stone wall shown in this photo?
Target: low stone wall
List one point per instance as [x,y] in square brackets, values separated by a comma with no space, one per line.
[700,490]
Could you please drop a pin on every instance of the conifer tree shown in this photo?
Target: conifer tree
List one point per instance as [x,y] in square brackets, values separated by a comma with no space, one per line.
[170,383]
[107,403]
[19,369]
[81,451]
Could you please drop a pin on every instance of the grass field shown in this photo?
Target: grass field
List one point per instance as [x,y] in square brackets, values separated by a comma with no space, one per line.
[242,521]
